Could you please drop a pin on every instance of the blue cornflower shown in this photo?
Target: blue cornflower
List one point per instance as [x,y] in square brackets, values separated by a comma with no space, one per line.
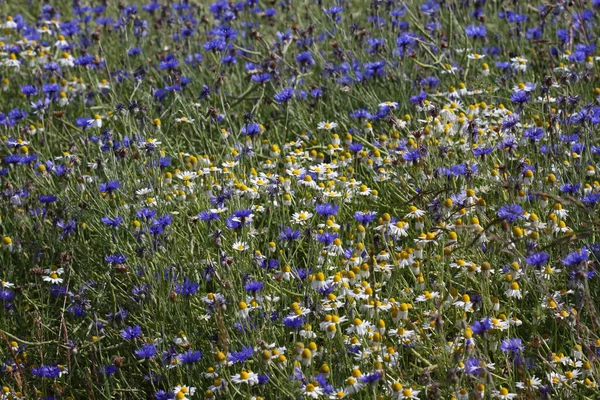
[514,346]
[294,322]
[46,371]
[251,129]
[156,228]
[261,78]
[534,33]
[160,94]
[50,88]
[67,227]
[327,388]
[510,121]
[570,188]
[162,395]
[109,186]
[361,114]
[131,332]
[576,257]
[147,351]
[482,151]
[169,64]
[473,366]
[164,220]
[242,355]
[253,286]
[244,216]
[519,97]
[229,59]
[108,370]
[364,217]
[476,31]
[534,134]
[289,234]
[187,288]
[29,90]
[411,155]
[47,198]
[114,222]
[134,51]
[430,81]
[591,199]
[405,40]
[419,98]
[507,144]
[577,148]
[83,122]
[511,212]
[537,259]
[375,44]
[190,356]
[327,209]
[316,93]
[355,147]
[333,10]
[77,310]
[327,238]
[305,59]
[208,216]
[269,12]
[480,327]
[285,95]
[371,378]
[139,292]
[242,213]
[146,213]
[6,294]
[115,258]
[233,223]
[216,44]
[376,68]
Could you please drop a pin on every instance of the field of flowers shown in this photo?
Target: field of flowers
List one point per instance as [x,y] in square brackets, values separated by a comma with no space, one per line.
[285,199]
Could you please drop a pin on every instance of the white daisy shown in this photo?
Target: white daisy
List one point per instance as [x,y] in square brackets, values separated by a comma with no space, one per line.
[248,377]
[327,125]
[301,217]
[240,246]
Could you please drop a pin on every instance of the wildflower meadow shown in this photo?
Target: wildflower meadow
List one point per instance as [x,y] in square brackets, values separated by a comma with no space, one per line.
[299,199]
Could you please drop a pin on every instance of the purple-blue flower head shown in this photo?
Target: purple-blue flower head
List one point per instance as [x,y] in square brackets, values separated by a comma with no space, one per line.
[190,356]
[285,95]
[240,356]
[147,351]
[511,212]
[537,259]
[327,209]
[514,346]
[480,327]
[131,332]
[576,257]
[253,286]
[289,234]
[186,288]
[364,217]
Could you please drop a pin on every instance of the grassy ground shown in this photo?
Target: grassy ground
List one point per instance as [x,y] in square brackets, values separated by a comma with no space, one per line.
[299,199]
